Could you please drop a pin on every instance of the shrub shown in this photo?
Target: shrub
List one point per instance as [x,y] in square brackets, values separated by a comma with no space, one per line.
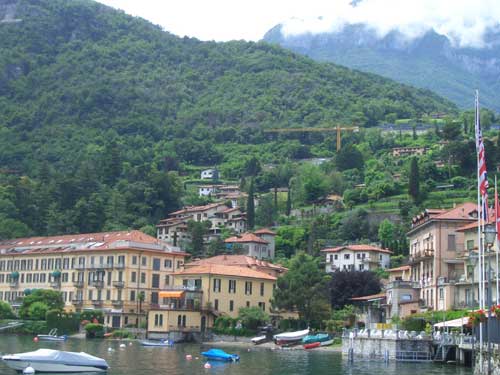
[122,334]
[252,317]
[94,330]
[6,311]
[91,315]
[64,322]
[50,298]
[38,311]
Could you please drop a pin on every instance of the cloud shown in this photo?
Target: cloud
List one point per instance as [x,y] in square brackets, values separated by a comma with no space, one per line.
[464,22]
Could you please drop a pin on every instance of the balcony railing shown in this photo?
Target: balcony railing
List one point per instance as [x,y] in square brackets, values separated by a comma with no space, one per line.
[100,266]
[55,284]
[78,284]
[97,283]
[403,284]
[97,302]
[79,266]
[77,302]
[422,254]
[117,303]
[14,284]
[118,284]
[119,265]
[370,260]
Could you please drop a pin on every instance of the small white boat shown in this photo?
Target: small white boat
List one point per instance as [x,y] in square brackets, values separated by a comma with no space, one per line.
[291,336]
[52,336]
[259,339]
[157,343]
[326,343]
[48,360]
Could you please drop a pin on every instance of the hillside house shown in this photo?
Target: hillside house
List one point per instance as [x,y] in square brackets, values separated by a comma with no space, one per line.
[210,174]
[356,258]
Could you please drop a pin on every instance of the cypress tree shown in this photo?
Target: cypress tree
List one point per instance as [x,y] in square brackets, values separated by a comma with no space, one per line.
[414,183]
[250,207]
[289,202]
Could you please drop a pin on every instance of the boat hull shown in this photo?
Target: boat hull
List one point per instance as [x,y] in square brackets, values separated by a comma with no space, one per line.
[312,345]
[155,344]
[291,336]
[20,365]
[326,343]
[51,338]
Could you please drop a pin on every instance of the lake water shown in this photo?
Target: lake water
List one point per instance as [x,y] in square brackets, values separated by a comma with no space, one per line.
[139,360]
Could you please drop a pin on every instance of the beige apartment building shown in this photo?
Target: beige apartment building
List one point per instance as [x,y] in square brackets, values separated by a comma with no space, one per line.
[120,273]
[437,251]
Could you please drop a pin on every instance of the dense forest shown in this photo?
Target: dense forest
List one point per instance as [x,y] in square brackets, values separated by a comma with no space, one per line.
[103,118]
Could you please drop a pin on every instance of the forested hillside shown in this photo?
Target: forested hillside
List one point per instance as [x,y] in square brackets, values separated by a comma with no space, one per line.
[99,111]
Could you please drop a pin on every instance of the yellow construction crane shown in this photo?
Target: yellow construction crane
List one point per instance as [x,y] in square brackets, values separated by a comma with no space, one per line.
[337,129]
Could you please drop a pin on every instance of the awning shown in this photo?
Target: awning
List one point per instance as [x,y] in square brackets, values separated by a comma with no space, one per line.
[453,323]
[171,294]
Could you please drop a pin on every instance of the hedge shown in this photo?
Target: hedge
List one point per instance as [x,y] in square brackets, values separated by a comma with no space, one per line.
[65,323]
[94,330]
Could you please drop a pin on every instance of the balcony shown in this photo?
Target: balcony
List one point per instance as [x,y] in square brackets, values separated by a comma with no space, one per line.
[370,260]
[100,266]
[173,328]
[421,255]
[79,266]
[78,284]
[77,302]
[97,302]
[14,283]
[118,284]
[97,284]
[403,284]
[120,265]
[56,284]
[117,303]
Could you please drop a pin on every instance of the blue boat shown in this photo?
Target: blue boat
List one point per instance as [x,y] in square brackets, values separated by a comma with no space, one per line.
[320,337]
[220,355]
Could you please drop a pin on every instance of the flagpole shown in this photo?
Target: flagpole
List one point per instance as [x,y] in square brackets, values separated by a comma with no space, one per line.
[479,211]
[496,228]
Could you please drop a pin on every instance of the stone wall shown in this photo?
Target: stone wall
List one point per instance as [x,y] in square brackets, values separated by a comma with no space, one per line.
[379,347]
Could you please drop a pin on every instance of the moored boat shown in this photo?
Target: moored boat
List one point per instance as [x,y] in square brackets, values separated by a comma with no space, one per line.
[320,337]
[220,355]
[290,337]
[48,360]
[156,343]
[52,336]
[327,342]
[259,339]
[312,345]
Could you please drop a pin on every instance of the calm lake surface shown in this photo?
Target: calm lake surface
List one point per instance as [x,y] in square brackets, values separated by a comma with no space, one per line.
[135,359]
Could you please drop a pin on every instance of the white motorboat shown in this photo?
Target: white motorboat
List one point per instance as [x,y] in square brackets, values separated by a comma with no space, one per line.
[157,343]
[326,343]
[52,336]
[259,339]
[48,360]
[291,336]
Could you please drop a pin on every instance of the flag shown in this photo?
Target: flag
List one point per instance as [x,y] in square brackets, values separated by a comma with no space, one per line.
[481,164]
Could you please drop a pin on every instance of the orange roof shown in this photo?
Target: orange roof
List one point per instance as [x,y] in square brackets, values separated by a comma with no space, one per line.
[223,270]
[86,242]
[461,212]
[370,297]
[359,247]
[265,231]
[246,237]
[189,209]
[237,260]
[397,269]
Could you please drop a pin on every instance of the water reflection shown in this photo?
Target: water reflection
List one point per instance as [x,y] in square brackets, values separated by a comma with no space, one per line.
[135,359]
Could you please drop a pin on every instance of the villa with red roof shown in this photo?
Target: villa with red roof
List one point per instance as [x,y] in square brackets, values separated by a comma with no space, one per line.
[259,244]
[356,258]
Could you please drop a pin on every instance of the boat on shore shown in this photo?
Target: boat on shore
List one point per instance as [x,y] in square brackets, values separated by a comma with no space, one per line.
[312,345]
[290,337]
[162,343]
[320,337]
[220,355]
[48,360]
[326,343]
[52,336]
[259,339]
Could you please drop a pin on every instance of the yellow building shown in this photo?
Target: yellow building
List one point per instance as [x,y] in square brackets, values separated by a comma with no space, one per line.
[109,271]
[203,292]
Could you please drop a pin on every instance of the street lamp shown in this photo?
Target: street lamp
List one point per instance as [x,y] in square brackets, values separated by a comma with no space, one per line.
[472,261]
[490,234]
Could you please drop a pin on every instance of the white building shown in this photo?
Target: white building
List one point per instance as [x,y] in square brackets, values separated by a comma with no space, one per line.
[356,258]
[210,173]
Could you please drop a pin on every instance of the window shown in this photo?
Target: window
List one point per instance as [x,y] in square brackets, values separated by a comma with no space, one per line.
[331,258]
[470,244]
[132,295]
[231,305]
[361,267]
[109,278]
[134,260]
[110,260]
[451,242]
[133,277]
[216,304]
[248,287]
[336,257]
[232,286]
[179,263]
[155,281]
[248,303]
[217,283]
[167,263]
[143,277]
[156,264]
[167,279]
[441,293]
[262,289]
[108,295]
[121,260]
[154,297]
[358,256]
[262,305]
[144,261]
[347,256]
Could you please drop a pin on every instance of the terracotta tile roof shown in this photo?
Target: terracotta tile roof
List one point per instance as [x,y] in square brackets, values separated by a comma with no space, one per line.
[463,211]
[367,298]
[86,241]
[359,247]
[237,260]
[265,231]
[397,269]
[223,270]
[245,238]
[190,209]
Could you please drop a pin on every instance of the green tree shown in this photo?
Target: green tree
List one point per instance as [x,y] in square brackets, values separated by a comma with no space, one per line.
[349,157]
[6,311]
[345,285]
[251,206]
[38,311]
[197,231]
[265,213]
[414,182]
[252,317]
[302,287]
[386,233]
[51,298]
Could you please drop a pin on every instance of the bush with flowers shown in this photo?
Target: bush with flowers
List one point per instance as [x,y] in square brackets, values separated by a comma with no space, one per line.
[476,317]
[495,309]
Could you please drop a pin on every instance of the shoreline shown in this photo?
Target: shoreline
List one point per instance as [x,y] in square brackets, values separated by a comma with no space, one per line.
[270,346]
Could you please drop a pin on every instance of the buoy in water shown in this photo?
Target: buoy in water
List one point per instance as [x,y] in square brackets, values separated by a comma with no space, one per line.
[35,339]
[129,344]
[189,357]
[207,365]
[123,346]
[110,349]
[29,370]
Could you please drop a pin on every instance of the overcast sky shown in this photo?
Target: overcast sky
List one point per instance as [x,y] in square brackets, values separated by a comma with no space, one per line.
[464,21]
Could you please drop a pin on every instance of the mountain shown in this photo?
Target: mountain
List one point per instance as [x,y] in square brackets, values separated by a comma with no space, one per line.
[430,61]
[99,111]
